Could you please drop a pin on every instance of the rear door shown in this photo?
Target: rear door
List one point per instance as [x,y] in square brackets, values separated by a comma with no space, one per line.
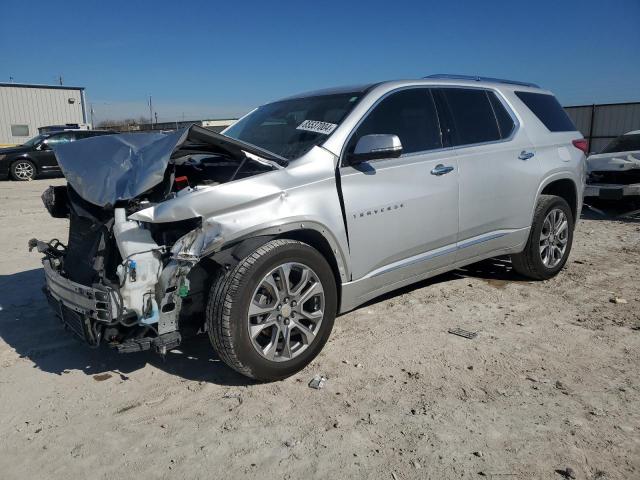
[401,218]
[498,170]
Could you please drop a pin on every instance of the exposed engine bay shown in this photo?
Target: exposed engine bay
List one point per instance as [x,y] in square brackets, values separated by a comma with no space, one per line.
[126,282]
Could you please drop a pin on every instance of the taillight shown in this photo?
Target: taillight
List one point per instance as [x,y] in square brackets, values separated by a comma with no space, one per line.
[581,144]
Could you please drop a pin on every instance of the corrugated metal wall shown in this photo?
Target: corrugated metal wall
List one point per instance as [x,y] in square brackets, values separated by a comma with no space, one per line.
[36,107]
[602,123]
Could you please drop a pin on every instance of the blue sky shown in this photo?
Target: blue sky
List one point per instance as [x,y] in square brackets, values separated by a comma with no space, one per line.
[219,59]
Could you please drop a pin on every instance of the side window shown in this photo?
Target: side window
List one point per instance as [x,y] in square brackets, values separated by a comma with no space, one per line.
[472,117]
[410,114]
[505,121]
[548,110]
[62,138]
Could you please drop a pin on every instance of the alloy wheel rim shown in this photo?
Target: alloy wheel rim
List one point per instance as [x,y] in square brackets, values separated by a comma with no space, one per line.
[554,238]
[23,170]
[286,311]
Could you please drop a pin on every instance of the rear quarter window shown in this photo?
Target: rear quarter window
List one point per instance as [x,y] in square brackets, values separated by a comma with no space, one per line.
[548,111]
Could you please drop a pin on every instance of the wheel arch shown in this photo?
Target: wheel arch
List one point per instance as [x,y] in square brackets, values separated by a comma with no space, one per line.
[315,239]
[564,187]
[25,157]
[314,236]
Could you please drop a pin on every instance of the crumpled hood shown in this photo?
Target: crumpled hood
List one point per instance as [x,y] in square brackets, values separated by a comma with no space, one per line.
[613,162]
[109,168]
[106,169]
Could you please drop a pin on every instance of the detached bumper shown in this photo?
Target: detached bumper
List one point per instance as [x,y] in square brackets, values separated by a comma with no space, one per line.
[79,306]
[611,191]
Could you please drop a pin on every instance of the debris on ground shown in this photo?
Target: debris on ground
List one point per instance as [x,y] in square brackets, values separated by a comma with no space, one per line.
[567,472]
[570,337]
[618,300]
[463,333]
[317,382]
[235,395]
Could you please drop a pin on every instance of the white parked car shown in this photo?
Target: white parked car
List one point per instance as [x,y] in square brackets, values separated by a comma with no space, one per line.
[307,208]
[615,172]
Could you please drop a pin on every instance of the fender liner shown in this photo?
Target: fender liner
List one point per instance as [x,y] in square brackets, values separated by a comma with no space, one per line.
[230,256]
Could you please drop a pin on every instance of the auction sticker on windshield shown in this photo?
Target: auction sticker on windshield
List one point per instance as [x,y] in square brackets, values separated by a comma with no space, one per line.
[317,126]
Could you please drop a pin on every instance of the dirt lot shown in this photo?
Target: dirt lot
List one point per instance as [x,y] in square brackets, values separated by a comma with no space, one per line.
[552,380]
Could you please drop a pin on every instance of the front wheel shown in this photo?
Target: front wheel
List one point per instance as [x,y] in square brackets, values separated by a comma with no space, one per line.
[549,242]
[272,314]
[23,170]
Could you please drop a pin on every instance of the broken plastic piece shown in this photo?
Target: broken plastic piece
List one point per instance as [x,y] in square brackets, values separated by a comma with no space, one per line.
[181,182]
[317,382]
[463,333]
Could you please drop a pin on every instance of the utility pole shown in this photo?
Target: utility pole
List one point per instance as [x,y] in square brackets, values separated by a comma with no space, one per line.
[91,113]
[156,115]
[60,79]
[150,112]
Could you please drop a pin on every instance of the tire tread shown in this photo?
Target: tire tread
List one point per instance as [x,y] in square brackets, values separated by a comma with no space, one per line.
[524,263]
[221,301]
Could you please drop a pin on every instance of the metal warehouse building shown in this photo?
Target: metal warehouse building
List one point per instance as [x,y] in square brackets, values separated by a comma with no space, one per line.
[24,108]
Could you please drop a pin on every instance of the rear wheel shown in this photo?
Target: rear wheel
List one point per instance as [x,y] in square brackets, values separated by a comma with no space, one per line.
[549,242]
[272,314]
[23,170]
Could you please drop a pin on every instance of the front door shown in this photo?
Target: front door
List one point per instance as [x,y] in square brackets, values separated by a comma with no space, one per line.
[45,158]
[402,213]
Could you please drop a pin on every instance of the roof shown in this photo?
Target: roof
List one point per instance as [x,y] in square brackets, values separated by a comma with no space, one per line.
[36,85]
[439,79]
[477,78]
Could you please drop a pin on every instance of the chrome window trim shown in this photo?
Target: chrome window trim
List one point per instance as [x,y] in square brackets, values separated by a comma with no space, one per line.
[499,95]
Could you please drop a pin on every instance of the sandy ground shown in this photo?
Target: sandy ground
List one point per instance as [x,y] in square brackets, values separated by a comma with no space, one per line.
[551,381]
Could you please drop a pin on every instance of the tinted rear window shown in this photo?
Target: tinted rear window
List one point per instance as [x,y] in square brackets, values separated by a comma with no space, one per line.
[471,115]
[548,111]
[624,143]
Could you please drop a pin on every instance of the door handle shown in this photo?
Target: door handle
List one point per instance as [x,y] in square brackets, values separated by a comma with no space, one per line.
[441,169]
[524,155]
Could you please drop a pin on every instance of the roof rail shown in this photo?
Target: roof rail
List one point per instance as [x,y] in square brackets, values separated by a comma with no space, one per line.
[477,78]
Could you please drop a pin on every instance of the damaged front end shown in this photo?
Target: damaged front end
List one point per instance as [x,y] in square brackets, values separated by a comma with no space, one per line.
[133,284]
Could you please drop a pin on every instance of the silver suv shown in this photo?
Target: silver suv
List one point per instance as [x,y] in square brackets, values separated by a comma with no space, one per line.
[304,209]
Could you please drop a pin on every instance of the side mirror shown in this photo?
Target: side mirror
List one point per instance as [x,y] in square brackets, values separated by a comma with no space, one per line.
[375,147]
[43,146]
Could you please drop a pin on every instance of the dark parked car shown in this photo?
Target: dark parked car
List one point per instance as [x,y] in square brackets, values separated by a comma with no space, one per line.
[35,157]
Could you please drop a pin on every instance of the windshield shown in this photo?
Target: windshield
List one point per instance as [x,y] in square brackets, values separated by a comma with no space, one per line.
[624,143]
[290,128]
[35,140]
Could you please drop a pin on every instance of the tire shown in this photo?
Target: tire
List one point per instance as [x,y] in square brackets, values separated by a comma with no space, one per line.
[256,282]
[23,170]
[536,261]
